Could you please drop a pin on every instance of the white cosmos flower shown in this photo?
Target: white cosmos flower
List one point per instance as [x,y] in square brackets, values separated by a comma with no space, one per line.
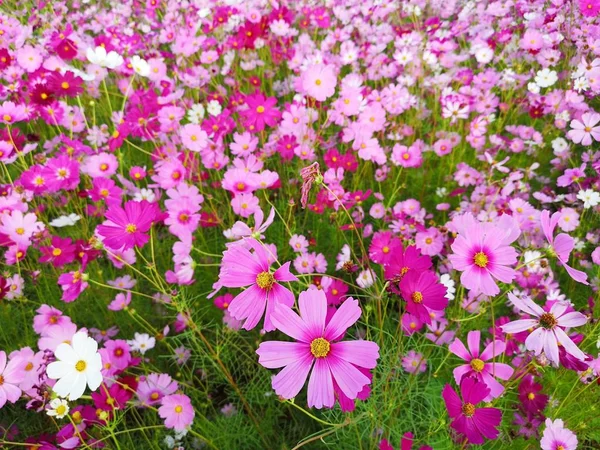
[448,283]
[77,364]
[140,66]
[65,221]
[142,342]
[589,197]
[59,408]
[366,278]
[546,78]
[98,56]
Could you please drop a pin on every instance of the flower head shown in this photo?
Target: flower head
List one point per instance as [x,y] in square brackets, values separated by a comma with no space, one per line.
[77,364]
[318,348]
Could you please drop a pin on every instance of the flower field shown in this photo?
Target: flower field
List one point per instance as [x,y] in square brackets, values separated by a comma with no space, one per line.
[279,225]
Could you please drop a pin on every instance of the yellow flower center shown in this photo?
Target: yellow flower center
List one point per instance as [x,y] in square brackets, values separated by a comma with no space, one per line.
[80,366]
[154,396]
[7,118]
[318,82]
[320,348]
[468,409]
[480,259]
[64,85]
[265,280]
[260,109]
[417,297]
[531,396]
[28,367]
[20,231]
[179,409]
[131,228]
[385,249]
[56,252]
[61,410]
[477,365]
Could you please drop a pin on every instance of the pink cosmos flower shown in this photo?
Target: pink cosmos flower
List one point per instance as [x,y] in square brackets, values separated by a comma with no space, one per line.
[422,292]
[120,302]
[20,227]
[478,367]
[414,362]
[319,81]
[318,350]
[548,328]
[154,387]
[556,436]
[11,375]
[48,316]
[472,422]
[193,137]
[127,227]
[240,268]
[177,411]
[72,283]
[582,131]
[483,252]
[561,245]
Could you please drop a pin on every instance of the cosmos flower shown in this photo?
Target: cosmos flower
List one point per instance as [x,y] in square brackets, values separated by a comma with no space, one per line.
[318,348]
[127,227]
[467,419]
[483,253]
[477,363]
[556,436]
[77,364]
[240,268]
[548,328]
[177,411]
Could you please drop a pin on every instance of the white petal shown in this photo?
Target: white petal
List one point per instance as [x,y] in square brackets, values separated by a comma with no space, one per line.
[78,387]
[65,353]
[63,386]
[58,369]
[94,379]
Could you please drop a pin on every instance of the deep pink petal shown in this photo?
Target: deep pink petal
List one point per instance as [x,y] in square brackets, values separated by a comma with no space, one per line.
[493,349]
[473,339]
[290,323]
[499,370]
[459,349]
[350,380]
[250,305]
[276,354]
[360,353]
[313,310]
[452,400]
[290,380]
[320,386]
[346,316]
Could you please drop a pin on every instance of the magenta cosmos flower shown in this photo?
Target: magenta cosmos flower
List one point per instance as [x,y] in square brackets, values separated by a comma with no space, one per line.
[557,437]
[127,227]
[422,292]
[482,252]
[472,422]
[561,245]
[239,268]
[317,349]
[261,112]
[477,366]
[548,328]
[177,411]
